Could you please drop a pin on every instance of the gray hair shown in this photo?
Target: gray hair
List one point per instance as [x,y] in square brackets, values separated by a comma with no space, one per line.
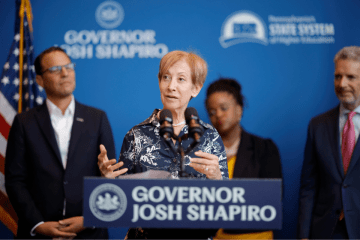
[348,53]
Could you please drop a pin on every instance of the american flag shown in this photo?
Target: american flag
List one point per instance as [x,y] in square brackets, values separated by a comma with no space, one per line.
[18,92]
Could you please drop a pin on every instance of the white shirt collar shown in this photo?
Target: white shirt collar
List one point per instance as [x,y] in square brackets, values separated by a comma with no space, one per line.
[53,109]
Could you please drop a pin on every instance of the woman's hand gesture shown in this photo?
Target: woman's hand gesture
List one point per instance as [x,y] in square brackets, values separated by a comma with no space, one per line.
[109,168]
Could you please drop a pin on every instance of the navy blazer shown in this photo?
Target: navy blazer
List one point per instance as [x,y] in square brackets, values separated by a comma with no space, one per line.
[35,179]
[324,189]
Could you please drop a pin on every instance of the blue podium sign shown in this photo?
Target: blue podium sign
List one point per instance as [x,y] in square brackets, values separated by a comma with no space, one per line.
[185,203]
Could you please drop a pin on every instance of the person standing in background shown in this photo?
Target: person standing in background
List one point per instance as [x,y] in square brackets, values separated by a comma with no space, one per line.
[329,205]
[248,156]
[50,150]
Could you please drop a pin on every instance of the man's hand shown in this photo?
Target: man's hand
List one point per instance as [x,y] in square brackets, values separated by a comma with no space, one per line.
[107,167]
[52,229]
[72,225]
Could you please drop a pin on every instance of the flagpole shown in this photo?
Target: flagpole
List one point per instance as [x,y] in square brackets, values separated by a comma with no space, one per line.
[21,55]
[29,15]
[17,85]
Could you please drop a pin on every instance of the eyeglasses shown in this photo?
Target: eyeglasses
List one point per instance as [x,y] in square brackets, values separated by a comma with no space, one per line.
[57,69]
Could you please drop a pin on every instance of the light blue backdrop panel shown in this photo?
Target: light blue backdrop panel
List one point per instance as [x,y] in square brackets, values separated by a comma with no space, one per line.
[280,51]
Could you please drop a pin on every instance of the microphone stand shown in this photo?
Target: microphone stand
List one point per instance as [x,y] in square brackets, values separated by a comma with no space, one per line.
[182,172]
[195,132]
[182,153]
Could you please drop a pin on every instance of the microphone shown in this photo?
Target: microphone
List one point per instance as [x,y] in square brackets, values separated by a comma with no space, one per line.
[192,120]
[166,128]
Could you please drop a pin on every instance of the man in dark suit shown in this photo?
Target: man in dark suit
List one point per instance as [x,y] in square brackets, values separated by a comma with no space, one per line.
[50,150]
[330,178]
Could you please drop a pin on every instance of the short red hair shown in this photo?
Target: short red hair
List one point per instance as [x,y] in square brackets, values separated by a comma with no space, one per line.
[197,65]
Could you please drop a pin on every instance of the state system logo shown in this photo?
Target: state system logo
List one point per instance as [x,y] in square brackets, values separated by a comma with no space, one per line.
[109,14]
[241,27]
[108,202]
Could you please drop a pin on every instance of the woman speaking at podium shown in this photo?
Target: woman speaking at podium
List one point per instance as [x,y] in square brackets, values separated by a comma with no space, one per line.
[181,77]
[248,156]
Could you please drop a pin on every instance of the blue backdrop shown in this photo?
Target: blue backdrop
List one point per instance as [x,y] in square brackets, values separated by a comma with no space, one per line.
[280,51]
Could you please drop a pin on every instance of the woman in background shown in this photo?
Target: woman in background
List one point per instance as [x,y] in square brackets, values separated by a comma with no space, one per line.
[248,156]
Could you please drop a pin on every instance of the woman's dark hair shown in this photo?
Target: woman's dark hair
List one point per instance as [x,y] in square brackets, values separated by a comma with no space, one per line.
[228,85]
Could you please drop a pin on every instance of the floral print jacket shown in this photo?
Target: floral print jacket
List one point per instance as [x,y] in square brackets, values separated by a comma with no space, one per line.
[144,149]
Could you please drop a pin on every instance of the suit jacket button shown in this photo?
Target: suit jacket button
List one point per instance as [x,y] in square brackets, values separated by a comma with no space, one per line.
[345,185]
[65,182]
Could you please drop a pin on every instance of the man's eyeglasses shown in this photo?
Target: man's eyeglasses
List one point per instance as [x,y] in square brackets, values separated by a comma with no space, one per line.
[57,69]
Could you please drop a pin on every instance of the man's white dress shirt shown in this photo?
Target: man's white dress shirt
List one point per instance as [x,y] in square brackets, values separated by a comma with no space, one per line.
[62,124]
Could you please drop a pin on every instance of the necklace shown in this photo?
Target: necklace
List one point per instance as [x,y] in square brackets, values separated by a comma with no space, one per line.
[178,124]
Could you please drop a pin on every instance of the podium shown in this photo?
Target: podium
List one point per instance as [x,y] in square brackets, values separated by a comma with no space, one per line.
[141,201]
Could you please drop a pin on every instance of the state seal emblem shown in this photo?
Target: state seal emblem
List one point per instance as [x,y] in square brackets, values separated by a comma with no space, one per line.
[109,14]
[107,202]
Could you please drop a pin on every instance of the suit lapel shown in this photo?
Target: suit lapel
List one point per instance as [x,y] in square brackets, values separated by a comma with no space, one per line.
[76,130]
[44,121]
[334,138]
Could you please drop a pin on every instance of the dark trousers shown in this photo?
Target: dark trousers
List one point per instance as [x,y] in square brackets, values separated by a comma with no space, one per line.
[340,231]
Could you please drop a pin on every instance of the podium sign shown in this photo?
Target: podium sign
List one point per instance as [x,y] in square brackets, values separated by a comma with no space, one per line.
[184,203]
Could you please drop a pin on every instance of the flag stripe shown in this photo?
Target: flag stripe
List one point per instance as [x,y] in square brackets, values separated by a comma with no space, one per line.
[2,184]
[2,164]
[3,144]
[6,110]
[8,220]
[4,127]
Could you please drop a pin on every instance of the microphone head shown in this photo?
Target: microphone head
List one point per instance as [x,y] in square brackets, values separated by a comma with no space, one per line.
[195,129]
[166,115]
[166,128]
[191,113]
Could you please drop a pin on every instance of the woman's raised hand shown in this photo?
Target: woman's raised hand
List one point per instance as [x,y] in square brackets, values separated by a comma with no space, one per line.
[207,164]
[108,168]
